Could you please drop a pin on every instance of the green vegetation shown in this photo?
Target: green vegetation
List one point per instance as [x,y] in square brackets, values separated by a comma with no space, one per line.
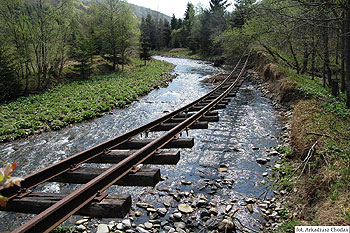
[181,52]
[74,102]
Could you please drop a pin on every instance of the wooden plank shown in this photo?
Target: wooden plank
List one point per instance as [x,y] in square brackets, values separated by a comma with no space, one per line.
[169,126]
[206,118]
[143,177]
[112,206]
[176,143]
[198,108]
[186,115]
[162,158]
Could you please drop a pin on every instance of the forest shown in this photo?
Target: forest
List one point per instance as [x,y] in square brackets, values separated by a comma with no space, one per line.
[46,42]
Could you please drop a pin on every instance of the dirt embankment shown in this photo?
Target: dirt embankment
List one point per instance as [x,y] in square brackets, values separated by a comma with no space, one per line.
[318,190]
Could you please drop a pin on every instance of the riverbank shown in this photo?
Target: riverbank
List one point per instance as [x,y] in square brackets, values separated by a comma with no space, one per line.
[75,102]
[315,162]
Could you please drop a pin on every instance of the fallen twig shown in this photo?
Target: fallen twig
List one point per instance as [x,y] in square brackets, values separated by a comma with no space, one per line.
[326,135]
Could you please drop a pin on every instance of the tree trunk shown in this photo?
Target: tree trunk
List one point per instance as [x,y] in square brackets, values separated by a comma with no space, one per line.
[305,59]
[326,70]
[313,58]
[347,37]
[343,45]
[297,67]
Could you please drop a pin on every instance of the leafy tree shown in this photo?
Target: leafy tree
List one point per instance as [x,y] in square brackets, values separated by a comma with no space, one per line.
[9,84]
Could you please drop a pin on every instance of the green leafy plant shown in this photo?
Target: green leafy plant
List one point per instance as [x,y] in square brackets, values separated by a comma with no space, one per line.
[7,181]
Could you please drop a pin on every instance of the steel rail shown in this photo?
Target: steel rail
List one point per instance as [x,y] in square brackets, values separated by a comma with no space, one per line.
[45,174]
[63,209]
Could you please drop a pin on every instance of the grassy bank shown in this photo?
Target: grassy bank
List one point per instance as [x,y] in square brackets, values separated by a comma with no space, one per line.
[183,53]
[81,100]
[316,167]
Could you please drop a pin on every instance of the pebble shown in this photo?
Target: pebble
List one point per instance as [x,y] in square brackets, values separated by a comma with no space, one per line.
[184,208]
[249,201]
[120,226]
[143,205]
[201,203]
[213,211]
[81,228]
[162,211]
[127,223]
[184,182]
[138,213]
[250,208]
[227,226]
[177,215]
[180,225]
[222,169]
[102,228]
[148,225]
[265,174]
[141,230]
[81,221]
[261,161]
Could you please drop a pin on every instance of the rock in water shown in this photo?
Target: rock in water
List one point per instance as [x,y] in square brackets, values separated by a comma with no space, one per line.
[184,208]
[227,226]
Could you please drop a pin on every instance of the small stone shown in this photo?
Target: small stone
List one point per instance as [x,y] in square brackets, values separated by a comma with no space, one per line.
[228,208]
[261,161]
[141,230]
[283,192]
[180,225]
[152,210]
[255,148]
[148,225]
[166,204]
[250,208]
[222,169]
[205,213]
[276,192]
[143,205]
[81,221]
[277,166]
[177,215]
[263,182]
[127,223]
[227,226]
[184,182]
[265,174]
[249,200]
[273,153]
[184,208]
[102,228]
[162,211]
[120,226]
[213,211]
[138,213]
[81,228]
[201,203]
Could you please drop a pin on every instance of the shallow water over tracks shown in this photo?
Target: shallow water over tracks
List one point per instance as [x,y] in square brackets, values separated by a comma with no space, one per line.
[247,130]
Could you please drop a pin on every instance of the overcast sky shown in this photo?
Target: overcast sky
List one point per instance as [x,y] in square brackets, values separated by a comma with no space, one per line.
[170,7]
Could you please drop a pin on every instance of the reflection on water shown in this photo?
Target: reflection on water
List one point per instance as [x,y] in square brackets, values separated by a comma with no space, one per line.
[247,130]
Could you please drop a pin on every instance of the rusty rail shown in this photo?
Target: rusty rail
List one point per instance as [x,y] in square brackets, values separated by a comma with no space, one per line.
[63,209]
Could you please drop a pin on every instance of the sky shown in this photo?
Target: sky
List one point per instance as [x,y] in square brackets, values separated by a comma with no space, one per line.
[170,7]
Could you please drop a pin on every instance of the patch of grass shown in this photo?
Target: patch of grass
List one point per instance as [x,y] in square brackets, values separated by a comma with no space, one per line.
[62,229]
[288,226]
[77,101]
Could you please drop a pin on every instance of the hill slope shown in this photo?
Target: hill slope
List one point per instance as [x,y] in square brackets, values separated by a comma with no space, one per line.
[139,11]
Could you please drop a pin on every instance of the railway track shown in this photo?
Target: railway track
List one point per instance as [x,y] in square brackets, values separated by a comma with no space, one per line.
[127,152]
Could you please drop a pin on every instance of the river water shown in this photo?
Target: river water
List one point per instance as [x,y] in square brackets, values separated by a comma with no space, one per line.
[248,129]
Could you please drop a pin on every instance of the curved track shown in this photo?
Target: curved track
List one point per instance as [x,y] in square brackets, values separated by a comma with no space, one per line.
[194,115]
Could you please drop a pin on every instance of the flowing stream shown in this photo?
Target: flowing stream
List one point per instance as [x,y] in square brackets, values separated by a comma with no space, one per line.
[248,129]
